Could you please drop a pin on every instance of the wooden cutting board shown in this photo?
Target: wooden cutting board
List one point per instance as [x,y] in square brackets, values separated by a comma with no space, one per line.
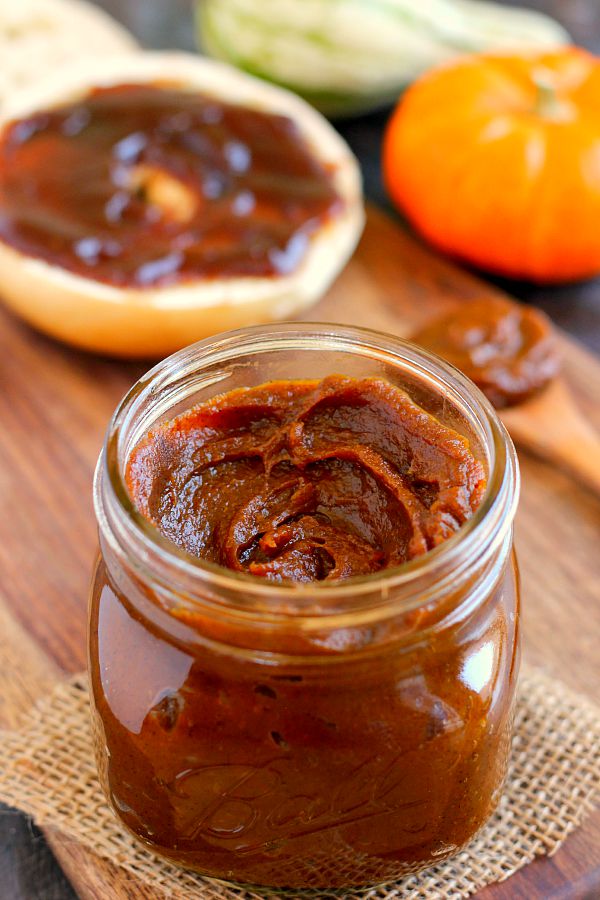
[54,407]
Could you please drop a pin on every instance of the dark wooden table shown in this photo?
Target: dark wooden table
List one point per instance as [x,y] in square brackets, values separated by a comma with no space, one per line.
[28,870]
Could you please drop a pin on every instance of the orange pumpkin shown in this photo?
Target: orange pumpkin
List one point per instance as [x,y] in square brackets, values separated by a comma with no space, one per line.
[496,160]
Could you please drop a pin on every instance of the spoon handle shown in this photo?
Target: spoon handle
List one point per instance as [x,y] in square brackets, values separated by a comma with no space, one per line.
[552,427]
[580,456]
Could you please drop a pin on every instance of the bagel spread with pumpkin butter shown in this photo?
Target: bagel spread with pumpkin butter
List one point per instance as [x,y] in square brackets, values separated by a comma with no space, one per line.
[169,198]
[507,349]
[306,481]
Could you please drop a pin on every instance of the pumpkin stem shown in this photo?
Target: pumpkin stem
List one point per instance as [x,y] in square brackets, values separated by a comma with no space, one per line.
[548,104]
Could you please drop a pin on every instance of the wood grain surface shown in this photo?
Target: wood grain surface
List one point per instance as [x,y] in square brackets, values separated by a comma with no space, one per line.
[54,407]
[27,870]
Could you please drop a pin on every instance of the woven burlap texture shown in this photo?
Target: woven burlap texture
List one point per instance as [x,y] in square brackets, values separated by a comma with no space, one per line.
[47,769]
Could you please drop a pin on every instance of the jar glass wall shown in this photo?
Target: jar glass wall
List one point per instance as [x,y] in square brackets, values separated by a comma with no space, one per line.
[298,735]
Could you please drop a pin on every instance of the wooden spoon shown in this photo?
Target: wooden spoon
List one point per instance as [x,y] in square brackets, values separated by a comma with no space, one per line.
[551,426]
[519,343]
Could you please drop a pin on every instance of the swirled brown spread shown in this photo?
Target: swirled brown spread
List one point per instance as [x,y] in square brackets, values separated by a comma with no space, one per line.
[507,349]
[306,480]
[144,185]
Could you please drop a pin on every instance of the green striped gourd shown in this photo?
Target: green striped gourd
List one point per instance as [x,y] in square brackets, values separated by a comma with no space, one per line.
[347,56]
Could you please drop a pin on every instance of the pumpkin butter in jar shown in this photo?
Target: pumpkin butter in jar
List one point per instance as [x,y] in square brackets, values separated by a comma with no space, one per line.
[304,622]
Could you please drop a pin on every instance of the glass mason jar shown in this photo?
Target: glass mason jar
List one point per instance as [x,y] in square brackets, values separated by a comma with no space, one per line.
[304,735]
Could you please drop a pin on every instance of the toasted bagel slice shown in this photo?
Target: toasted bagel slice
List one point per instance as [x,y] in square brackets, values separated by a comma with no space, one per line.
[119,314]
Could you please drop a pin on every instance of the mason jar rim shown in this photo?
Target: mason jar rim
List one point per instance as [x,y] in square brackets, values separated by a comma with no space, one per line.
[154,555]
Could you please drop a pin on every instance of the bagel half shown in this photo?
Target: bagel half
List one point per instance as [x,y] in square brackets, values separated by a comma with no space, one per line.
[154,321]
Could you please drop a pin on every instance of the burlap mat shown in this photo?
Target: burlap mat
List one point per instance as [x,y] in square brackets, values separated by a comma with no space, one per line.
[47,769]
